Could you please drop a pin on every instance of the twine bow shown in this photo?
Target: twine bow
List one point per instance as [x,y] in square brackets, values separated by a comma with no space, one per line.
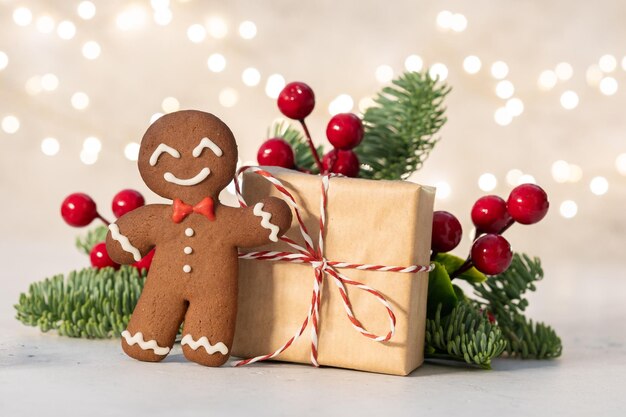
[321,266]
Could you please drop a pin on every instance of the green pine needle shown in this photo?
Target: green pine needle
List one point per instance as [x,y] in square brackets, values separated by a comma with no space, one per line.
[400,128]
[90,303]
[464,335]
[503,295]
[91,239]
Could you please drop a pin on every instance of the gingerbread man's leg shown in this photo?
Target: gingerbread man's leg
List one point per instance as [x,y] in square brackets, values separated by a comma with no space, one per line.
[154,323]
[209,330]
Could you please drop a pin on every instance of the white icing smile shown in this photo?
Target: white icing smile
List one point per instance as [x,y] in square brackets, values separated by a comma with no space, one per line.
[201,176]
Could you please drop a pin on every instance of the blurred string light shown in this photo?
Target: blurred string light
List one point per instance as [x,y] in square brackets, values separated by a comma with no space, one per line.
[162,17]
[384,74]
[228,97]
[620,163]
[569,100]
[446,20]
[443,190]
[438,70]
[413,63]
[247,30]
[80,100]
[217,27]
[487,182]
[560,171]
[568,209]
[607,63]
[196,33]
[33,85]
[216,62]
[505,89]
[155,117]
[10,124]
[66,30]
[599,185]
[86,10]
[499,70]
[132,18]
[343,103]
[274,84]
[608,86]
[472,64]
[251,77]
[91,50]
[365,103]
[527,179]
[170,104]
[22,16]
[50,146]
[503,116]
[564,71]
[4,60]
[515,106]
[131,151]
[91,148]
[49,82]
[513,177]
[547,80]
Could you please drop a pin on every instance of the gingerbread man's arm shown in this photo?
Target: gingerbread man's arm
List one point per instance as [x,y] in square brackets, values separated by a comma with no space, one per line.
[260,223]
[133,235]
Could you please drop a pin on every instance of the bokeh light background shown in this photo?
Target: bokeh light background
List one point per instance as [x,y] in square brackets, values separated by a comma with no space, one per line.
[539,91]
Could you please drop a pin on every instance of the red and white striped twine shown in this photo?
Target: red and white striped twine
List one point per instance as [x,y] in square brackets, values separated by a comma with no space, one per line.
[315,257]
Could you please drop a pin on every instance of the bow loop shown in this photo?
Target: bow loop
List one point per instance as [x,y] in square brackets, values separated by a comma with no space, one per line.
[181,209]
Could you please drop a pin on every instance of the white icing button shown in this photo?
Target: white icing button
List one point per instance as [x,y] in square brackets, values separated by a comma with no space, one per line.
[189,231]
[187,250]
[187,268]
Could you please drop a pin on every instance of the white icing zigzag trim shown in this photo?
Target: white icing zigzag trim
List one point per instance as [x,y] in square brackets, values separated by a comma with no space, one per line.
[204,342]
[265,222]
[207,143]
[162,148]
[123,240]
[137,339]
[201,176]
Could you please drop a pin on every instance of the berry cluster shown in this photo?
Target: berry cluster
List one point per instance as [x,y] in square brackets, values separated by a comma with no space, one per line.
[344,131]
[491,253]
[79,209]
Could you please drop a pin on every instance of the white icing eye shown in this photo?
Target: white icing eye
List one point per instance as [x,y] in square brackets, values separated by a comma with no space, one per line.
[207,143]
[162,148]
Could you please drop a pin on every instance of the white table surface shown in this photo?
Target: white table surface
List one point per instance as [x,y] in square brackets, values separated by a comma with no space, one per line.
[45,374]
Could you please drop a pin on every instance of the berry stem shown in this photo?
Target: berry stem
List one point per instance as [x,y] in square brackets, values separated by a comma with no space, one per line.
[311,146]
[464,267]
[105,221]
[506,226]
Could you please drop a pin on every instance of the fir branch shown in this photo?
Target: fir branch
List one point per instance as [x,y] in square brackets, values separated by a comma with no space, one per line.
[464,335]
[89,303]
[503,295]
[400,127]
[91,239]
[303,158]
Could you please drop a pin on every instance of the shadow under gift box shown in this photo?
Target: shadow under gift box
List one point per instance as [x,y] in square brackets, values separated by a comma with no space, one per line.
[368,222]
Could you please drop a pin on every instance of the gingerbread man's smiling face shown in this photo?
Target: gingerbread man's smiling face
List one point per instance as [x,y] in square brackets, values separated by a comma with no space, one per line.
[188,155]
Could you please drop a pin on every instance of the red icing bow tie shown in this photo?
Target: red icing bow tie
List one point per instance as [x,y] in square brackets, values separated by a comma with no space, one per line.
[182,209]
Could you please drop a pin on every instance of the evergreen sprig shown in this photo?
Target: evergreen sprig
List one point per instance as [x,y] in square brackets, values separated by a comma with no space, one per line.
[503,295]
[92,238]
[463,335]
[302,153]
[400,128]
[89,303]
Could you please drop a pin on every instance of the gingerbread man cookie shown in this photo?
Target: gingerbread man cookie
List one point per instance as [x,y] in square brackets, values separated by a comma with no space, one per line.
[189,157]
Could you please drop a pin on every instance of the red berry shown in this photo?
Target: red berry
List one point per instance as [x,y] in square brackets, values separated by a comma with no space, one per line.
[491,254]
[125,201]
[341,162]
[296,100]
[78,210]
[145,262]
[489,214]
[528,203]
[276,152]
[345,131]
[100,257]
[447,232]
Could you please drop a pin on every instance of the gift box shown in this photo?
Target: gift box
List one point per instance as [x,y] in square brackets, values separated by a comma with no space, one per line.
[371,223]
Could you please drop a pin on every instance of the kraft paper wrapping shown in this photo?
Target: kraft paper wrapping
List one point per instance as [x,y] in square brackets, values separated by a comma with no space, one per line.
[368,222]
